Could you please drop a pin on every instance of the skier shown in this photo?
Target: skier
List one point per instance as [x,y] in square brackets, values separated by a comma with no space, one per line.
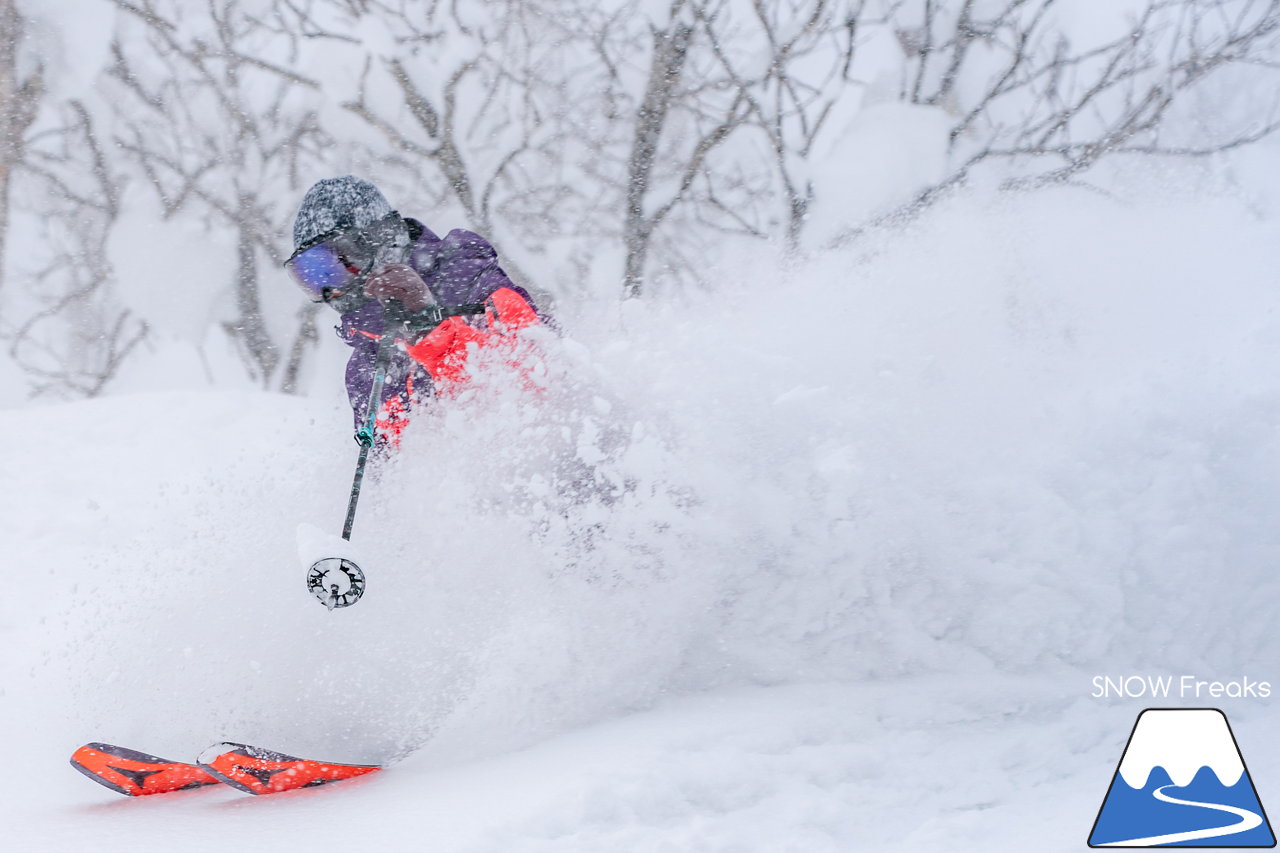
[444,296]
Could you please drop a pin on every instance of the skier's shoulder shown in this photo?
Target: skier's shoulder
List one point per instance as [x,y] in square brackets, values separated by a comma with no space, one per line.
[431,253]
[463,244]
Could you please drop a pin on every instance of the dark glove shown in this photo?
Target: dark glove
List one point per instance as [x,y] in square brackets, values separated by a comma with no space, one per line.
[401,283]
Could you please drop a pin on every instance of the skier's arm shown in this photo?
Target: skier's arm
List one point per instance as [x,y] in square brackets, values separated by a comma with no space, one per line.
[443,351]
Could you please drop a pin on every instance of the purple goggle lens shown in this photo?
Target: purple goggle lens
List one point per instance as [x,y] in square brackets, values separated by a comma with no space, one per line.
[319,269]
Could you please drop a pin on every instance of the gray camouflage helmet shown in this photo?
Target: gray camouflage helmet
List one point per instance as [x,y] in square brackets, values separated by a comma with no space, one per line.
[338,204]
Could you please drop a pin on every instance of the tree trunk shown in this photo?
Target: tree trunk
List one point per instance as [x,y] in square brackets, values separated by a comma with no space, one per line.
[670,48]
[4,216]
[10,33]
[18,101]
[249,328]
[303,342]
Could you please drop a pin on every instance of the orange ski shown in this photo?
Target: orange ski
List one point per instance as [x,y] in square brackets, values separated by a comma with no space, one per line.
[259,771]
[136,774]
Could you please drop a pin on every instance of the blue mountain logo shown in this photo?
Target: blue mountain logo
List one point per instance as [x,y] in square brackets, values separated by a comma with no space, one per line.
[1182,782]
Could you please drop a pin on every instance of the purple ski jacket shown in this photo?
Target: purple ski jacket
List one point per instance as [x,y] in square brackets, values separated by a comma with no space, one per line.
[459,268]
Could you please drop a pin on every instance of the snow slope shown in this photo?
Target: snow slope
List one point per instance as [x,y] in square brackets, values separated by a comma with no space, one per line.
[825,561]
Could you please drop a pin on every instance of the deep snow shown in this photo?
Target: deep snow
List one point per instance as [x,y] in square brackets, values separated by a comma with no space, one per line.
[824,561]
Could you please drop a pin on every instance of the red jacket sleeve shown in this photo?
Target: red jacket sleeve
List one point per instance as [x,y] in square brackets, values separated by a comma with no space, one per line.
[443,351]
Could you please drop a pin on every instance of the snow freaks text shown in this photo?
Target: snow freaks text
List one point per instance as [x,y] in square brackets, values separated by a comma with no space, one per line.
[1177,687]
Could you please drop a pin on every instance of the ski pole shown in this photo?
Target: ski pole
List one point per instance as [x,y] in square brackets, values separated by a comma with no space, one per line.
[392,317]
[323,576]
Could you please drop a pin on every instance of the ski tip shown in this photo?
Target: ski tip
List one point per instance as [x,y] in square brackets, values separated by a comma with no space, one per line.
[208,754]
[255,770]
[136,774]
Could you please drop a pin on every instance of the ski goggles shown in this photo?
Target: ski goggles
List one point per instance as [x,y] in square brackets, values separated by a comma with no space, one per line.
[325,268]
[331,263]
